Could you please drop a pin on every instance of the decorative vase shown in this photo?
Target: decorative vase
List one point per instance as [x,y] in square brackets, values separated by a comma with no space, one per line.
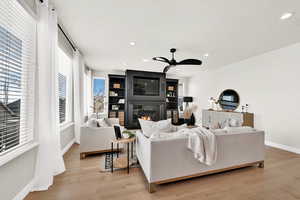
[191,121]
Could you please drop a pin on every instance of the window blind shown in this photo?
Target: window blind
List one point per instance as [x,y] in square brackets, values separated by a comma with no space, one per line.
[17,70]
[65,87]
[62,87]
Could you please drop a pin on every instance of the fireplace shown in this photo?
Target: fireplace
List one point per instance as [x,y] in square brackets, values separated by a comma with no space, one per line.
[153,111]
[145,97]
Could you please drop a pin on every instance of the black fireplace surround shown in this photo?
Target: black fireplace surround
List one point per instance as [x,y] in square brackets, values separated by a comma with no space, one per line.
[145,97]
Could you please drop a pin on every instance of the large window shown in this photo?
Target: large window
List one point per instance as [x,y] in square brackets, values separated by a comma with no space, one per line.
[65,87]
[99,95]
[17,67]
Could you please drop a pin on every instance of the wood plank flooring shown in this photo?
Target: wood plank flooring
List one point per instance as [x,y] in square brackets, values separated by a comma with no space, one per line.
[279,180]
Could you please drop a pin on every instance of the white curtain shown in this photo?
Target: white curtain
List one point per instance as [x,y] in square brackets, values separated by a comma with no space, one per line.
[78,73]
[49,159]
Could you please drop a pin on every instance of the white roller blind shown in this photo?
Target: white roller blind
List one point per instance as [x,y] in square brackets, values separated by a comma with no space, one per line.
[17,72]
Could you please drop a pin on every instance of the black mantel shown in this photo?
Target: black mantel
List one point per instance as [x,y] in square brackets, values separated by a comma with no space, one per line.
[153,103]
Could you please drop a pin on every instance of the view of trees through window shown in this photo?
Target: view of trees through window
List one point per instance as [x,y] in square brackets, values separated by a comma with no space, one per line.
[10,89]
[99,95]
[62,87]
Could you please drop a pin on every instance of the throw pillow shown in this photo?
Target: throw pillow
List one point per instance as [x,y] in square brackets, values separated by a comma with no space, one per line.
[92,123]
[102,123]
[150,127]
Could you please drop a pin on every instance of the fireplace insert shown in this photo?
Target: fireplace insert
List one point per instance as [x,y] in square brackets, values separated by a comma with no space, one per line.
[153,111]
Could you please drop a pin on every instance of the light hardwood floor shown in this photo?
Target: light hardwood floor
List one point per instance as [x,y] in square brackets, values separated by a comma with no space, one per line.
[279,180]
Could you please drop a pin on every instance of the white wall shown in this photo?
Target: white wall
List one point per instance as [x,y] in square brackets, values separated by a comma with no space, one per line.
[17,174]
[67,136]
[269,83]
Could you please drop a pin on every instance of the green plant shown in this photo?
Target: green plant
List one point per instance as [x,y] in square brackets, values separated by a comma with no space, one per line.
[130,133]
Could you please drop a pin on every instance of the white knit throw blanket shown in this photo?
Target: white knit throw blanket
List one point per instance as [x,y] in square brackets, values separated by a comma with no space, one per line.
[203,144]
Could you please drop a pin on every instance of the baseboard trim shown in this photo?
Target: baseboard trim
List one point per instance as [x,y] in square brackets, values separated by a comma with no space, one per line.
[25,191]
[283,147]
[68,146]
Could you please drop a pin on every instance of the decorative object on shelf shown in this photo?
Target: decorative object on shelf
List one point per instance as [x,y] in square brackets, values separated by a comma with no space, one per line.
[117,85]
[121,101]
[113,94]
[213,103]
[128,134]
[115,107]
[229,100]
[171,88]
[247,107]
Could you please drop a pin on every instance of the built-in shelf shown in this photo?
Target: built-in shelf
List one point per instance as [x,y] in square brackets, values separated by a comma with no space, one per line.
[115,94]
[172,99]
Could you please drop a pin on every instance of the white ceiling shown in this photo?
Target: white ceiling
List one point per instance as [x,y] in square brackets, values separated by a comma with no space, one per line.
[229,30]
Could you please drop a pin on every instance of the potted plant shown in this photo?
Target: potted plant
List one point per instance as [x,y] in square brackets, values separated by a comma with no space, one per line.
[128,134]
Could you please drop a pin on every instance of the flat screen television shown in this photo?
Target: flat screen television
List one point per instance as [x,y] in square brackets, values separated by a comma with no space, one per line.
[144,86]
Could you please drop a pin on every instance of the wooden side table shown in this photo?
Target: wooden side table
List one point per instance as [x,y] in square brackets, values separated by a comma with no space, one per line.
[121,162]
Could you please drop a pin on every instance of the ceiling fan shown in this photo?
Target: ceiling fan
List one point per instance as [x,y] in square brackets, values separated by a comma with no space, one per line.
[174,63]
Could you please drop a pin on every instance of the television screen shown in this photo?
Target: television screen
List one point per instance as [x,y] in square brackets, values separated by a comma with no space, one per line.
[145,86]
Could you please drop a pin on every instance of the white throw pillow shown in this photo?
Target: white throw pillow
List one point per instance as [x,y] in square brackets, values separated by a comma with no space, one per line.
[150,127]
[235,123]
[92,123]
[102,123]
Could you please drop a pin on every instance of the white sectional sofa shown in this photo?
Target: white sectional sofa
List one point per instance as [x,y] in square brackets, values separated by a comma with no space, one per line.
[97,139]
[169,160]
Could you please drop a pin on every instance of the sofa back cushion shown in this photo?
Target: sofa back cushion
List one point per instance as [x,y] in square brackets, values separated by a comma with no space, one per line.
[92,122]
[112,121]
[150,127]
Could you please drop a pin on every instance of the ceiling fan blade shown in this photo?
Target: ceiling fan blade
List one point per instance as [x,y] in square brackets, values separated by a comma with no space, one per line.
[161,59]
[166,69]
[190,62]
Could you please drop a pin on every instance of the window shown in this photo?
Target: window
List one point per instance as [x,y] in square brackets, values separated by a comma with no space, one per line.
[99,95]
[62,86]
[65,87]
[17,67]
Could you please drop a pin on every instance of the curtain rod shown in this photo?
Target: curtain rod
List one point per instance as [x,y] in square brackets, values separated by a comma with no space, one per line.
[73,47]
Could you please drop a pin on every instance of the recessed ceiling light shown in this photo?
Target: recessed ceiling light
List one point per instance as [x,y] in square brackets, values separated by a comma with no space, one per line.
[132,43]
[286,15]
[145,60]
[206,55]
